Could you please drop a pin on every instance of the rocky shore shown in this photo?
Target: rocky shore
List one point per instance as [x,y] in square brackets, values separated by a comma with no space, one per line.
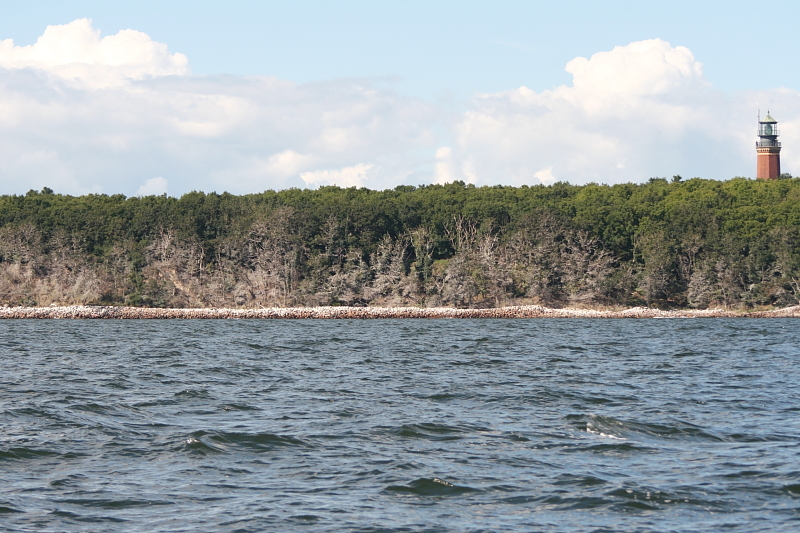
[522,311]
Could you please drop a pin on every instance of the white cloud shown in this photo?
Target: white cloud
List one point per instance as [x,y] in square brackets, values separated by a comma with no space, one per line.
[83,113]
[355,176]
[75,51]
[444,168]
[153,187]
[224,133]
[288,163]
[643,68]
[634,112]
[545,175]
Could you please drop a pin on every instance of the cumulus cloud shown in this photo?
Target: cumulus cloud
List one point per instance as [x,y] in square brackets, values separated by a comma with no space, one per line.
[545,175]
[444,170]
[153,187]
[637,111]
[644,68]
[80,113]
[84,113]
[355,176]
[75,51]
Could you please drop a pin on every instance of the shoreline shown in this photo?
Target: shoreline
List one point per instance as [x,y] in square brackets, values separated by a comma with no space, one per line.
[518,311]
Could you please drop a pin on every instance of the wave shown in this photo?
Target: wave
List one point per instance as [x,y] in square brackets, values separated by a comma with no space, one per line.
[614,428]
[437,432]
[25,453]
[430,487]
[622,429]
[107,503]
[206,442]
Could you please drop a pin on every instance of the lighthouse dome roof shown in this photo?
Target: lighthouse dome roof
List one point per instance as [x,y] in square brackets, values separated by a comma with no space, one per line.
[768,119]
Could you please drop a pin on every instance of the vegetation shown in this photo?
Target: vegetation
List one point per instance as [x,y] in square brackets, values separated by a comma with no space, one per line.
[679,243]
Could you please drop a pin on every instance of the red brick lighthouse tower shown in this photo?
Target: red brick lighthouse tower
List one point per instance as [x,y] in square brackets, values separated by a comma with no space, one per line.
[769,149]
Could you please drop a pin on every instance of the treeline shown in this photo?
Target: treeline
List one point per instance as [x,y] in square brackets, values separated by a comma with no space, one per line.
[694,243]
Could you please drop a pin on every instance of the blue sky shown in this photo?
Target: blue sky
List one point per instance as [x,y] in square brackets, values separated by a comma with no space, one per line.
[442,46]
[422,92]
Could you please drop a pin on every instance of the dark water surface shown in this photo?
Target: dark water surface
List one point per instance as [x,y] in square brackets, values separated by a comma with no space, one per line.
[391,425]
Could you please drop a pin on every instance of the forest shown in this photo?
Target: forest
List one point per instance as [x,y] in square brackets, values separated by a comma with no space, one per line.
[675,243]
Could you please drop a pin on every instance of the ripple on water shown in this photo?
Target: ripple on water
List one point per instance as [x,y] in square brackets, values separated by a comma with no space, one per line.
[432,425]
[230,442]
[430,487]
[437,432]
[615,428]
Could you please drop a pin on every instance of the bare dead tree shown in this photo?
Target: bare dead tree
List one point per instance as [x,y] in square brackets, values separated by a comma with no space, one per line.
[388,274]
[274,256]
[584,266]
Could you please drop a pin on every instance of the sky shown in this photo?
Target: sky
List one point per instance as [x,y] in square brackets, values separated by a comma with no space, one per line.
[169,97]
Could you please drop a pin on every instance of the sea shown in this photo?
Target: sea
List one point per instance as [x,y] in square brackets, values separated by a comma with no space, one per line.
[552,425]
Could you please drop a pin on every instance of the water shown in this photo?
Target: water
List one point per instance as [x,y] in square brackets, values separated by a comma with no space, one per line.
[391,425]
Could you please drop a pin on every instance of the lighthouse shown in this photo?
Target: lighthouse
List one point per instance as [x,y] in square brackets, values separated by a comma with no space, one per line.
[768,149]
